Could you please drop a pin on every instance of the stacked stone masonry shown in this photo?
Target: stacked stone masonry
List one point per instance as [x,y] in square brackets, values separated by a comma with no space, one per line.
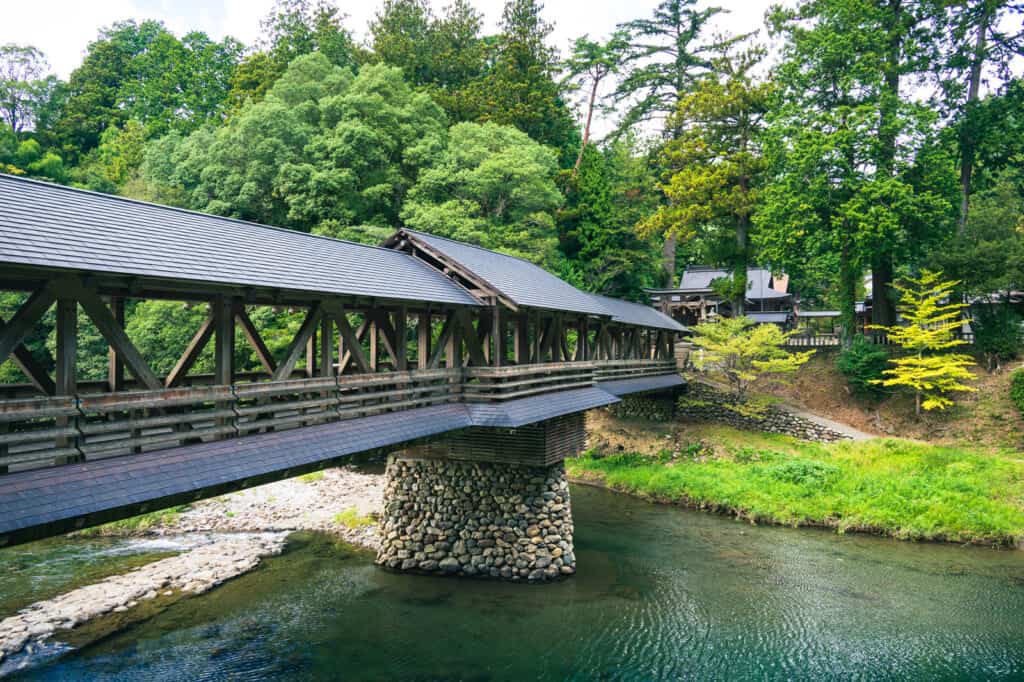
[450,517]
[703,403]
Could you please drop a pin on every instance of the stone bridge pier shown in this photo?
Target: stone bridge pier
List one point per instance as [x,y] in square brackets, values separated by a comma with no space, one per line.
[484,502]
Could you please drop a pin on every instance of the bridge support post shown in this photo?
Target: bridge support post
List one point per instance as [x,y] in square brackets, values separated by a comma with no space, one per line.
[484,503]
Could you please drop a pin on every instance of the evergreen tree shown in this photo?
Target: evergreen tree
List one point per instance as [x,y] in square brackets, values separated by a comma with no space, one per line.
[519,88]
[715,165]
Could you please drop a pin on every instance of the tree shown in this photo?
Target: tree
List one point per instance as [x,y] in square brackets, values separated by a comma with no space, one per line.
[519,88]
[293,28]
[21,73]
[141,71]
[974,42]
[373,141]
[664,57]
[840,190]
[929,322]
[115,161]
[716,166]
[443,54]
[235,170]
[743,352]
[492,186]
[587,68]
[603,253]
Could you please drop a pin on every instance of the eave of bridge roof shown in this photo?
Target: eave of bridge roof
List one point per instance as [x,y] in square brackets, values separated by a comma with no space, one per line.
[49,226]
[627,312]
[521,281]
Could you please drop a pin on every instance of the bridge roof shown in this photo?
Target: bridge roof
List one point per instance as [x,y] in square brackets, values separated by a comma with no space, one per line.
[50,226]
[628,312]
[523,282]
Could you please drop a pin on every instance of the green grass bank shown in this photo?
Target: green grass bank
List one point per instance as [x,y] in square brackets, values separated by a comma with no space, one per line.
[905,489]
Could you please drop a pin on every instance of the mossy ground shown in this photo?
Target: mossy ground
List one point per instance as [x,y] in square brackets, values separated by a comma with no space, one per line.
[902,488]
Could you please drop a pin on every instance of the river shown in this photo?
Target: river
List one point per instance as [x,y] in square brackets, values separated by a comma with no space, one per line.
[661,593]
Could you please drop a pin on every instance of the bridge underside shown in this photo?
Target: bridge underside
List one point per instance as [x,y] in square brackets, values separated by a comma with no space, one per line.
[45,502]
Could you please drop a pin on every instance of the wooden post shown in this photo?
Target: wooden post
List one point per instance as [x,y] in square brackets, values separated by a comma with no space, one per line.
[326,346]
[401,344]
[582,342]
[223,350]
[498,354]
[311,355]
[374,346]
[537,357]
[453,349]
[423,340]
[522,339]
[224,342]
[115,364]
[67,363]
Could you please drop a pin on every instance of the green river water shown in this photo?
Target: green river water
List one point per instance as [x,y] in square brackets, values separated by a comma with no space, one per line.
[661,594]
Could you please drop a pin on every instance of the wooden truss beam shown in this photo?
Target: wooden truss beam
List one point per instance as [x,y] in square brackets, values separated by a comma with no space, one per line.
[255,340]
[191,354]
[298,344]
[15,331]
[23,360]
[113,332]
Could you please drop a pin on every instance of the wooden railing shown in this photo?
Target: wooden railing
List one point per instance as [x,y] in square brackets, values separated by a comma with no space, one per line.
[41,432]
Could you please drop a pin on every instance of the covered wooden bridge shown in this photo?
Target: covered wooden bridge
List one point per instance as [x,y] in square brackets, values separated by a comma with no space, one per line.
[420,337]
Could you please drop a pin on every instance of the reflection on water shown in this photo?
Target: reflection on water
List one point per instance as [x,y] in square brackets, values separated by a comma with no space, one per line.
[661,593]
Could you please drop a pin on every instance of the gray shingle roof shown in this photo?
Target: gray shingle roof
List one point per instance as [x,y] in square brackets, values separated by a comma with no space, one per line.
[47,225]
[699,278]
[523,282]
[628,312]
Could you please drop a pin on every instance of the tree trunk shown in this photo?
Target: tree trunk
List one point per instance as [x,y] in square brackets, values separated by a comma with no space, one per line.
[848,295]
[917,404]
[739,273]
[668,254]
[883,310]
[967,141]
[586,127]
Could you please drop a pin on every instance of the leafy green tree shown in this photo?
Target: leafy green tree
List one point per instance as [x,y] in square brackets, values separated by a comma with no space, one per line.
[716,166]
[27,157]
[492,186]
[374,139]
[236,170]
[742,352]
[519,89]
[929,321]
[21,71]
[863,365]
[603,253]
[292,28]
[998,334]
[987,256]
[142,71]
[443,54]
[840,189]
[115,161]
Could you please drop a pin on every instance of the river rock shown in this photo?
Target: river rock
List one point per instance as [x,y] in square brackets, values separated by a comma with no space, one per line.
[504,521]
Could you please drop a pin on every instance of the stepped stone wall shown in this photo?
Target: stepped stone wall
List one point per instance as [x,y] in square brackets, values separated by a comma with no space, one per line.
[703,403]
[483,519]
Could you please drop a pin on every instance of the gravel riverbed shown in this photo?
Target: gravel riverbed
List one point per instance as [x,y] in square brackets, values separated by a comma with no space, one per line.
[233,533]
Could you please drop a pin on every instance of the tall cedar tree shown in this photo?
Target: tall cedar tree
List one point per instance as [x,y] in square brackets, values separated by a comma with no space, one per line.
[981,40]
[663,58]
[443,54]
[715,166]
[929,322]
[852,175]
[589,65]
[519,89]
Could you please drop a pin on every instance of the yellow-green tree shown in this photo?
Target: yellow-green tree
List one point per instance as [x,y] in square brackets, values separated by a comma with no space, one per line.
[930,316]
[742,352]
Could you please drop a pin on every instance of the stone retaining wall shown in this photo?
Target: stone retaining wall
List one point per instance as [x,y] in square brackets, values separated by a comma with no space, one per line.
[703,403]
[451,517]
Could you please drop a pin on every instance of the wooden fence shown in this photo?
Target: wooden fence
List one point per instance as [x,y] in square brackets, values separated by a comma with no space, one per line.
[41,432]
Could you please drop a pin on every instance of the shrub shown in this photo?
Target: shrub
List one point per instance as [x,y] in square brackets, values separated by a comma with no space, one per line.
[803,472]
[862,364]
[997,333]
[1017,389]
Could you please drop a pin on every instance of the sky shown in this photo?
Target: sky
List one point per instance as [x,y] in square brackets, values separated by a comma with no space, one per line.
[63,28]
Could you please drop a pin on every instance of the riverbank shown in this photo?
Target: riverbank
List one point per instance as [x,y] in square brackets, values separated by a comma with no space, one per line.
[903,489]
[229,536]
